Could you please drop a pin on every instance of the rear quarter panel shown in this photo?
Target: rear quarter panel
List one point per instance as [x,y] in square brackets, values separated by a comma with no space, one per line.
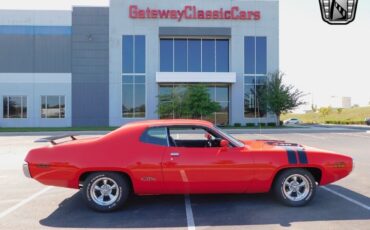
[63,164]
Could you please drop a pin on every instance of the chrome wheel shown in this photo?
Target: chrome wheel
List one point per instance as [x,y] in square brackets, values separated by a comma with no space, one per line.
[104,191]
[296,187]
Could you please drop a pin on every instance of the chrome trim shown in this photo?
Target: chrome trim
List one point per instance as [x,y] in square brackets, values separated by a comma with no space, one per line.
[26,170]
[175,154]
[296,187]
[104,191]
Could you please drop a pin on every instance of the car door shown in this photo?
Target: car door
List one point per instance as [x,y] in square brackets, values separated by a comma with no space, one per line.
[205,169]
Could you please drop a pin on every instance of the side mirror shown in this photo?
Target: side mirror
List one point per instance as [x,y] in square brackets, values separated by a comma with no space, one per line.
[224,144]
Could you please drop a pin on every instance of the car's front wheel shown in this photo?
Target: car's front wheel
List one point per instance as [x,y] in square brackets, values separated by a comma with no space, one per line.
[105,191]
[295,187]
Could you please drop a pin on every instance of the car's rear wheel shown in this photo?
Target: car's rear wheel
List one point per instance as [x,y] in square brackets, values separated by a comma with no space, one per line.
[106,191]
[295,187]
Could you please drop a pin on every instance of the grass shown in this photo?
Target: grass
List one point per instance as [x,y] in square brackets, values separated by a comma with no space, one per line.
[347,116]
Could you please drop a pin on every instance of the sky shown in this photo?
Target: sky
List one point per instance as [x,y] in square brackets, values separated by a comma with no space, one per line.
[324,61]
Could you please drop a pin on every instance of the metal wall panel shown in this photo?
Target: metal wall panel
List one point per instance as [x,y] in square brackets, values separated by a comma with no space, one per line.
[35,53]
[17,53]
[52,54]
[90,66]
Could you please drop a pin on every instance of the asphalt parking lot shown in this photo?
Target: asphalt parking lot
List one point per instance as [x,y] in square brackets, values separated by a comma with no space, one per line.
[26,204]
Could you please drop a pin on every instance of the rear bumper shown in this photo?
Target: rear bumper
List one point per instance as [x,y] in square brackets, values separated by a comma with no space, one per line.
[26,170]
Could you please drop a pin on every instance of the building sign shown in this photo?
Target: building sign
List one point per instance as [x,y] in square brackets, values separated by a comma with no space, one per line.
[193,13]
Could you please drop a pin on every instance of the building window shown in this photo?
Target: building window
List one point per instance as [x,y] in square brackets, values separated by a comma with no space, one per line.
[255,71]
[194,55]
[133,76]
[255,55]
[14,107]
[52,106]
[208,55]
[252,88]
[169,94]
[220,94]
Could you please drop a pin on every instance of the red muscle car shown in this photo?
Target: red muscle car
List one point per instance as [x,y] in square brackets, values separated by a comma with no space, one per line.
[182,157]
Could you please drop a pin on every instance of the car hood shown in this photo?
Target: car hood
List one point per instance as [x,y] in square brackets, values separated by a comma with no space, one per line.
[276,145]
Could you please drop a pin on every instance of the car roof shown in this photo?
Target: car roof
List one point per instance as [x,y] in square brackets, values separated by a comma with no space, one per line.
[169,122]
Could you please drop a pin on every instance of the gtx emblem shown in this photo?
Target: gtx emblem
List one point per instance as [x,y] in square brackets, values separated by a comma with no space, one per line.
[338,12]
[148,178]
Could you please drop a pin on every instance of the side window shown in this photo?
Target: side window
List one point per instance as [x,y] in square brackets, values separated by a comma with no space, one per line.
[156,136]
[188,133]
[193,137]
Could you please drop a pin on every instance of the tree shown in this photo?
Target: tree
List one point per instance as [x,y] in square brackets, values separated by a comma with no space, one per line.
[193,101]
[199,103]
[172,105]
[325,111]
[339,110]
[278,97]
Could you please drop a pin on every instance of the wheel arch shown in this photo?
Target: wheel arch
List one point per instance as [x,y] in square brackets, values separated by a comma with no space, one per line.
[82,177]
[316,172]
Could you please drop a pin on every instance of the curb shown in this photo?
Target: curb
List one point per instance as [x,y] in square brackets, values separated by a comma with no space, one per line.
[346,126]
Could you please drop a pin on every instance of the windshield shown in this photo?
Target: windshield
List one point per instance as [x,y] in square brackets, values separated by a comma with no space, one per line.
[229,137]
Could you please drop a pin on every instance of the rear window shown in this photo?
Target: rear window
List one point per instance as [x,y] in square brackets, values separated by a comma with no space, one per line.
[156,136]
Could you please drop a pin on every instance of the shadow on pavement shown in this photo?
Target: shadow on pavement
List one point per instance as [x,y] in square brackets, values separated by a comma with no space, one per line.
[209,210]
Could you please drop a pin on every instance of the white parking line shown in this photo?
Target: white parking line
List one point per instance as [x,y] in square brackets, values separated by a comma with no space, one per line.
[23,202]
[347,198]
[189,213]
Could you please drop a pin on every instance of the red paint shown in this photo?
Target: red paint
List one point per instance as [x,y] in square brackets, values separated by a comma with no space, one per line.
[192,12]
[152,170]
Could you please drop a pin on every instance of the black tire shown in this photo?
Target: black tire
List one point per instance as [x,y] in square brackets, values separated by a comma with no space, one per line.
[120,190]
[281,191]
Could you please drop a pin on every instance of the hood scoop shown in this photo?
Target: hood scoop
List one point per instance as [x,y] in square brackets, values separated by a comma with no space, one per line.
[282,143]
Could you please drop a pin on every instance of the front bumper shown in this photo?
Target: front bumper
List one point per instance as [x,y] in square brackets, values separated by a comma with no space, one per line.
[26,170]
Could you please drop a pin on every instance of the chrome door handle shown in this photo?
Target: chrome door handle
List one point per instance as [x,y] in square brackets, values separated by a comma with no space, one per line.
[175,154]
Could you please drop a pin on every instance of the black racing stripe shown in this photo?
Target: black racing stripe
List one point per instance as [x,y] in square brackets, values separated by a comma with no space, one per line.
[302,156]
[292,157]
